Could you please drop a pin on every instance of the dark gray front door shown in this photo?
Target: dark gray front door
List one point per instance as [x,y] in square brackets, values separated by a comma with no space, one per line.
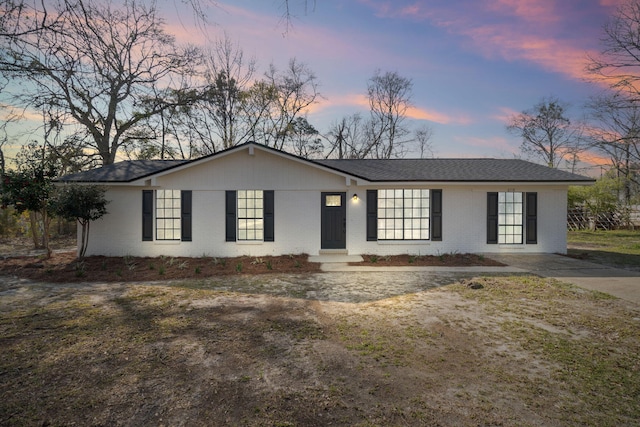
[334,221]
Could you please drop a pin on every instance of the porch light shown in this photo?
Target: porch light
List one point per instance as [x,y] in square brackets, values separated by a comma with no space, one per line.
[355,198]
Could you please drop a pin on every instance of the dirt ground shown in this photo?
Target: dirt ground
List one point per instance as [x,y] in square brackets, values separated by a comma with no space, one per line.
[239,350]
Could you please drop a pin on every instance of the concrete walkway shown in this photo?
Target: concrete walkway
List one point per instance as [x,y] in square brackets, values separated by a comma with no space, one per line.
[624,284]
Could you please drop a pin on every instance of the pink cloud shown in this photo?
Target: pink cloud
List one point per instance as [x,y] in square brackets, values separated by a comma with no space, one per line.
[560,56]
[505,114]
[612,3]
[515,30]
[540,11]
[436,116]
[416,113]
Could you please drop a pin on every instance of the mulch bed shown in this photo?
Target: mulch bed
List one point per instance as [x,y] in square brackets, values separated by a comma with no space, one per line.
[444,260]
[65,267]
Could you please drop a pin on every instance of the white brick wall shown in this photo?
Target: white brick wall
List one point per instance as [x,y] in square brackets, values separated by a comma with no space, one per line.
[297,213]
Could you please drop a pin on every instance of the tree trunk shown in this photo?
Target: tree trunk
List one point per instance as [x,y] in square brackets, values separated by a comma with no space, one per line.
[84,239]
[46,221]
[34,229]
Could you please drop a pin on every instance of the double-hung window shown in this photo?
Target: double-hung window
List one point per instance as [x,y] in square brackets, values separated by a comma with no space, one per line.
[169,212]
[512,218]
[510,210]
[168,215]
[250,215]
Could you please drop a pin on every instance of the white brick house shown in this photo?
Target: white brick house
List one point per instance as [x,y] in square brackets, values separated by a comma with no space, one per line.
[254,200]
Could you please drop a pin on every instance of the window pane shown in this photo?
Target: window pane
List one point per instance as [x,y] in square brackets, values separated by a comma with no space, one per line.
[510,217]
[406,211]
[167,214]
[408,203]
[250,222]
[333,200]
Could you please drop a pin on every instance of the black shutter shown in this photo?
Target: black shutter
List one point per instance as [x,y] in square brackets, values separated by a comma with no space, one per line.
[230,216]
[492,218]
[185,215]
[532,218]
[436,215]
[147,215]
[372,215]
[269,207]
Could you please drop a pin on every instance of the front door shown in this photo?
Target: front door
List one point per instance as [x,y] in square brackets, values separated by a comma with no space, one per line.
[334,221]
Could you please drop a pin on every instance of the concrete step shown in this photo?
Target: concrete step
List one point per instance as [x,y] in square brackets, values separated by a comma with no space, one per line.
[335,257]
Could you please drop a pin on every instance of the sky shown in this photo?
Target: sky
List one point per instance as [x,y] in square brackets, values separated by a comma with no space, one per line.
[473,63]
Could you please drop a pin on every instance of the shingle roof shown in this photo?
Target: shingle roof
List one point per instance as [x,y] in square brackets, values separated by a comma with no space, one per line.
[451,170]
[126,171]
[392,170]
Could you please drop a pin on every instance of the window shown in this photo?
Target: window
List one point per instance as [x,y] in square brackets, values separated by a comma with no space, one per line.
[172,215]
[250,215]
[168,215]
[510,210]
[403,214]
[333,200]
[511,216]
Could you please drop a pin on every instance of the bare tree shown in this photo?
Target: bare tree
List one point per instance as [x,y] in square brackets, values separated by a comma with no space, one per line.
[616,133]
[546,132]
[229,76]
[347,138]
[617,114]
[283,96]
[389,96]
[423,137]
[303,139]
[109,68]
[619,62]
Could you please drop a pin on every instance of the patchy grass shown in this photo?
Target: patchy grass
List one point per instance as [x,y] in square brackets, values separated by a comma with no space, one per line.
[617,248]
[517,351]
[589,342]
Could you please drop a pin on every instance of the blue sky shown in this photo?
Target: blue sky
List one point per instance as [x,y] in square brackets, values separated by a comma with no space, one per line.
[473,63]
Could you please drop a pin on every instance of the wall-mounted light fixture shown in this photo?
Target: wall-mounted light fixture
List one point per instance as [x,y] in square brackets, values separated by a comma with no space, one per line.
[355,198]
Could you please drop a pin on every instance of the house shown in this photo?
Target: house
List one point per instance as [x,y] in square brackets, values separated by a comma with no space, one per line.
[255,200]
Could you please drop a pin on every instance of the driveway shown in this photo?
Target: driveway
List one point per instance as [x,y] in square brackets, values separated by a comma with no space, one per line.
[624,284]
[374,281]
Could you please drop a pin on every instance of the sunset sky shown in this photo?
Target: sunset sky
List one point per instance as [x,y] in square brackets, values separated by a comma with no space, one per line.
[473,62]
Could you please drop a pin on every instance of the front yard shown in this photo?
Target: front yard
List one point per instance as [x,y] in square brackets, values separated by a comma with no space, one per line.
[617,248]
[518,351]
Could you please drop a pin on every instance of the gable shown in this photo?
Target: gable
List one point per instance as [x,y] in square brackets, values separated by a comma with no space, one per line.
[251,169]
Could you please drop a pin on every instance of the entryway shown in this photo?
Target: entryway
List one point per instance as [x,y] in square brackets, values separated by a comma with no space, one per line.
[334,221]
